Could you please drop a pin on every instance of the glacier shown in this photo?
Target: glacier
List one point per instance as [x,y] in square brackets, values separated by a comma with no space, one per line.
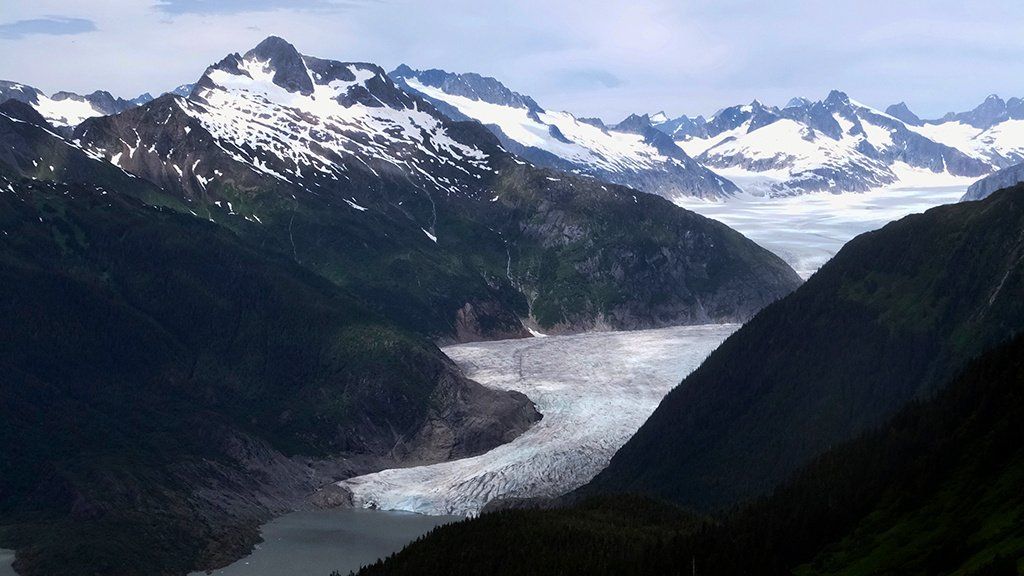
[594,390]
[808,230]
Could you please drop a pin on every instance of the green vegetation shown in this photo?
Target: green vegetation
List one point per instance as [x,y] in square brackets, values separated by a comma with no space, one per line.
[155,370]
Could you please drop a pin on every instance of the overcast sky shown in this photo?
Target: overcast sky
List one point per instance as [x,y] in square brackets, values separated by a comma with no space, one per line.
[593,58]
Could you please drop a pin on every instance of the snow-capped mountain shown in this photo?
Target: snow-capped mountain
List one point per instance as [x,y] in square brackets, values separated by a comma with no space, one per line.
[301,120]
[64,109]
[632,153]
[993,131]
[356,177]
[835,145]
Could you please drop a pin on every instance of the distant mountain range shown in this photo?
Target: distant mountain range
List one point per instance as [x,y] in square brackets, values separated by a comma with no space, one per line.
[834,145]
[631,153]
[65,110]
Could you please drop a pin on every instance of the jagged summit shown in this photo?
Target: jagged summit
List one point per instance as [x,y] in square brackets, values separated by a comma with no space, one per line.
[64,109]
[902,112]
[286,62]
[836,144]
[468,85]
[836,98]
[632,152]
[797,102]
[634,123]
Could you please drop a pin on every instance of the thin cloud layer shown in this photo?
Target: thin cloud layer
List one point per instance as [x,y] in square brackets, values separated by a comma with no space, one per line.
[249,6]
[596,58]
[49,25]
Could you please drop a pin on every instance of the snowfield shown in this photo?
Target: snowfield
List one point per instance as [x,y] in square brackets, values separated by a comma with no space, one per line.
[594,390]
[807,230]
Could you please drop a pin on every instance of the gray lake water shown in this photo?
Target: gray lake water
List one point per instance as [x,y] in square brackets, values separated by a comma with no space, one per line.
[318,542]
[6,557]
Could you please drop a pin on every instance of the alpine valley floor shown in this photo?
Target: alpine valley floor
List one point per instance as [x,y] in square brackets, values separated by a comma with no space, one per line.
[594,391]
[807,230]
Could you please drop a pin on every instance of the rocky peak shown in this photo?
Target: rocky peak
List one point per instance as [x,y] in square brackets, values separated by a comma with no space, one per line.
[989,112]
[798,102]
[902,112]
[468,85]
[837,99]
[141,99]
[20,92]
[634,123]
[289,69]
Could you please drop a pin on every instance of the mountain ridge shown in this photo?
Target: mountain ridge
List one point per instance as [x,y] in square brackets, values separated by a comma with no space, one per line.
[643,160]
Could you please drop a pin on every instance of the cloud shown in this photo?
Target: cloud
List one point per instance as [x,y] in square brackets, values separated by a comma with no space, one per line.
[50,25]
[241,6]
[595,58]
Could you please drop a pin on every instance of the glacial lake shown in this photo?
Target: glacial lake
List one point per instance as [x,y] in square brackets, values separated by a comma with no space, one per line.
[6,558]
[315,543]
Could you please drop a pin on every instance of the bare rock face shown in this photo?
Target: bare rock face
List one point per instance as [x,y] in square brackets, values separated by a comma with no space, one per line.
[486,321]
[1005,178]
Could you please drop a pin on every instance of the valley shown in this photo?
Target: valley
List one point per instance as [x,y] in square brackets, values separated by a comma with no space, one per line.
[308,316]
[593,390]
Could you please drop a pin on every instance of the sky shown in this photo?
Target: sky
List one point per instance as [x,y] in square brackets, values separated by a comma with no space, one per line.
[593,58]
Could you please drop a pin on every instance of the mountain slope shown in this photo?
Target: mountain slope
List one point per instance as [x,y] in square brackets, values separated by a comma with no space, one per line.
[936,491]
[1005,178]
[427,219]
[168,379]
[632,153]
[888,320]
[165,380]
[217,304]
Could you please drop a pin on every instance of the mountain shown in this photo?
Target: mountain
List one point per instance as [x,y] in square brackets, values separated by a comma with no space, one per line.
[993,131]
[888,320]
[993,110]
[215,305]
[934,491]
[64,109]
[166,379]
[903,113]
[457,238]
[632,153]
[183,90]
[1005,178]
[834,145]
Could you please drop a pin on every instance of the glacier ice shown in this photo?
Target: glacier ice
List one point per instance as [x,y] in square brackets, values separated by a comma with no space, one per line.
[807,230]
[594,391]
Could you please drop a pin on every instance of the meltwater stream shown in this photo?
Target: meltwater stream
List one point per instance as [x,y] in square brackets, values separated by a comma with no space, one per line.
[594,391]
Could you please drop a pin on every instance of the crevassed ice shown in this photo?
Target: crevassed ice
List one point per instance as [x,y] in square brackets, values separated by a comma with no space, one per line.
[594,390]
